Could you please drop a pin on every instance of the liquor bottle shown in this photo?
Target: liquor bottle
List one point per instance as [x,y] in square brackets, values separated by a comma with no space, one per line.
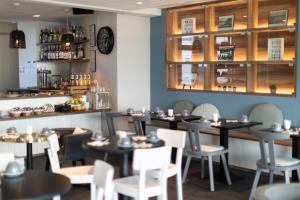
[84,80]
[76,80]
[51,35]
[80,80]
[89,79]
[46,36]
[42,37]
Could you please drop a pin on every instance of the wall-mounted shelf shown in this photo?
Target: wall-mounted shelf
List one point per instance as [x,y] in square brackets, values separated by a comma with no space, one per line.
[65,61]
[193,53]
[61,43]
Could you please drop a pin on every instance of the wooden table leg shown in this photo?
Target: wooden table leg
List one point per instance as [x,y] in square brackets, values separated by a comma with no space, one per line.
[295,154]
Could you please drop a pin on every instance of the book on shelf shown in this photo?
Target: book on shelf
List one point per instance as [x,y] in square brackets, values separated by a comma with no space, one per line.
[188,78]
[188,25]
[186,56]
[275,48]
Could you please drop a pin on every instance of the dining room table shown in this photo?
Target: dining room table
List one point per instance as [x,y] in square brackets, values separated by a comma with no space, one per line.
[224,126]
[110,146]
[27,139]
[34,184]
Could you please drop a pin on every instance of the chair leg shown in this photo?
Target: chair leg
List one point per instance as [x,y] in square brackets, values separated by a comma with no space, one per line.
[298,173]
[74,163]
[186,168]
[287,176]
[105,157]
[179,185]
[211,174]
[271,177]
[226,169]
[93,191]
[255,182]
[202,166]
[47,168]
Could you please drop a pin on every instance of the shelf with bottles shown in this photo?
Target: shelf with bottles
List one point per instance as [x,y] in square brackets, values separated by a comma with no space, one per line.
[82,60]
[186,76]
[61,43]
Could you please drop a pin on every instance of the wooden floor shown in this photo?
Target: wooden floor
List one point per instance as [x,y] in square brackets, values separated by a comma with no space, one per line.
[195,188]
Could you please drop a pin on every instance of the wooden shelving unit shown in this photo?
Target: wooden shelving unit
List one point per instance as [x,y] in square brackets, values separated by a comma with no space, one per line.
[83,60]
[194,55]
[56,43]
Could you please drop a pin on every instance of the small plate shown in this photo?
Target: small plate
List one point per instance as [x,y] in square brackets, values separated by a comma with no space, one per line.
[153,140]
[125,146]
[277,131]
[98,139]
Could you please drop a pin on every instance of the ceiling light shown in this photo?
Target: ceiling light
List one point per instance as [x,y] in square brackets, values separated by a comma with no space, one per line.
[16,4]
[139,3]
[36,16]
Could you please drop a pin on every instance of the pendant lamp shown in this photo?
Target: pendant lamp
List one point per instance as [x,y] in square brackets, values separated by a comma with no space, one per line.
[17,39]
[67,37]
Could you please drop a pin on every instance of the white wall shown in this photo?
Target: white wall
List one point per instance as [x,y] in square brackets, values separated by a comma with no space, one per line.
[133,55]
[8,58]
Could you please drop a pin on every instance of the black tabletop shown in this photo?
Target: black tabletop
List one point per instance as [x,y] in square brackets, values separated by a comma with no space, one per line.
[113,148]
[176,118]
[235,125]
[35,185]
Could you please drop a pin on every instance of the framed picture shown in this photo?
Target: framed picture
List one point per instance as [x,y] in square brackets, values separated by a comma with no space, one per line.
[278,18]
[188,25]
[93,61]
[225,23]
[92,35]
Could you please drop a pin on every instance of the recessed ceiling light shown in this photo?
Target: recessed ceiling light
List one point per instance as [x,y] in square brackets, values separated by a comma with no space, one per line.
[16,4]
[36,16]
[139,3]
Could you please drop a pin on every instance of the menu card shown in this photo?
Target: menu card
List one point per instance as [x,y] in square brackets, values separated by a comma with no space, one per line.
[275,48]
[188,25]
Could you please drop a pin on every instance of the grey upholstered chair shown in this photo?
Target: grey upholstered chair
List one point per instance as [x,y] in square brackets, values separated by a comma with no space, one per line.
[110,117]
[183,105]
[197,150]
[269,161]
[266,113]
[138,123]
[206,110]
[278,192]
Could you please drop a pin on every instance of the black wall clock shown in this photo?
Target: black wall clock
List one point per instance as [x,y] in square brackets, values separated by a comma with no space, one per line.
[105,40]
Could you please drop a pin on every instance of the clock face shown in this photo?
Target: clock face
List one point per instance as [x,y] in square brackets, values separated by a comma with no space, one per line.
[105,40]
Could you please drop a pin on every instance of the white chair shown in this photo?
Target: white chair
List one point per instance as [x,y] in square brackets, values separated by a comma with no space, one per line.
[77,175]
[269,161]
[198,150]
[175,139]
[278,192]
[142,187]
[103,181]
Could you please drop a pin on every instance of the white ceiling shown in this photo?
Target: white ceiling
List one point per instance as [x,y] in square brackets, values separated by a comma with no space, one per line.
[55,9]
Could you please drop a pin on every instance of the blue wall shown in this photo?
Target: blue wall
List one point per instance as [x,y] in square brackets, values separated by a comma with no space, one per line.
[230,105]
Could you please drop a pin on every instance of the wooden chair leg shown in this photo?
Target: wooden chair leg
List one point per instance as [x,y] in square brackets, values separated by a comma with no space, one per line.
[202,167]
[211,173]
[186,168]
[271,177]
[226,169]
[255,182]
[287,176]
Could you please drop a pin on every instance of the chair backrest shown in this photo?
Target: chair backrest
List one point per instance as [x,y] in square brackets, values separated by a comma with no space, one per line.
[111,123]
[103,179]
[5,158]
[193,129]
[152,159]
[137,122]
[206,110]
[268,155]
[175,139]
[73,146]
[266,113]
[52,152]
[183,105]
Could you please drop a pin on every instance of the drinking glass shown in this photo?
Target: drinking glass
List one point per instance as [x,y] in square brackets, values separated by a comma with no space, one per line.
[287,124]
[215,117]
[170,112]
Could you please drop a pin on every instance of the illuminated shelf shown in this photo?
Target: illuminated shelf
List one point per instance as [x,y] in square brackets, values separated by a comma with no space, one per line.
[250,71]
